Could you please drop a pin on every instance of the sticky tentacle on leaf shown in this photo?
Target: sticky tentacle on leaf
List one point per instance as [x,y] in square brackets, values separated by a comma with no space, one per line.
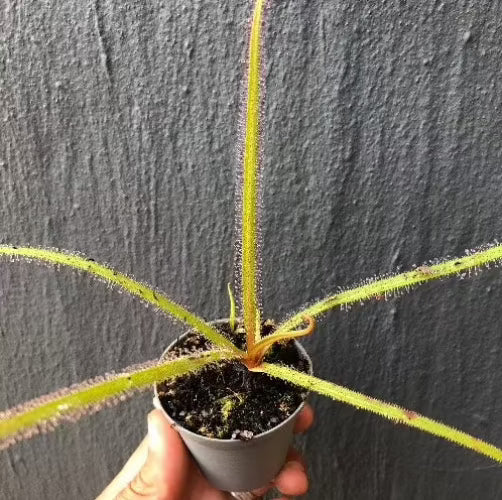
[396,283]
[43,414]
[132,286]
[250,186]
[387,410]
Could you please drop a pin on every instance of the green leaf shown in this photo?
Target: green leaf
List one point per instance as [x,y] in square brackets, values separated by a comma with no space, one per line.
[45,413]
[233,312]
[396,283]
[133,287]
[250,301]
[387,410]
[256,356]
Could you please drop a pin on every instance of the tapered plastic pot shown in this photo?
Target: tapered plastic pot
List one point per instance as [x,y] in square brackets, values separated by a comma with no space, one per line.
[232,464]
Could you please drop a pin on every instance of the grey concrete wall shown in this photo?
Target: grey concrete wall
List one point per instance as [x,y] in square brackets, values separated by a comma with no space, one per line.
[118,130]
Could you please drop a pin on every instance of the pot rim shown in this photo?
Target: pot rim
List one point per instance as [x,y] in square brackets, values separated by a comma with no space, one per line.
[158,405]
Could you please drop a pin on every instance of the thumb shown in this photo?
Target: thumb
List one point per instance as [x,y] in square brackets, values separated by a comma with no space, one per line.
[165,472]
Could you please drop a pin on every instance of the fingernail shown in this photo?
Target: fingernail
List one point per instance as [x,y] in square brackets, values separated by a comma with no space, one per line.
[294,465]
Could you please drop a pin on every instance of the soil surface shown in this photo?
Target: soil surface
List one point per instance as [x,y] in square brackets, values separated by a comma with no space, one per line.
[225,400]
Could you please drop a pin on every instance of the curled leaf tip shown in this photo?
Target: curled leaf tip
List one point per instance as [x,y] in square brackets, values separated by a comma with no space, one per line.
[308,330]
[255,356]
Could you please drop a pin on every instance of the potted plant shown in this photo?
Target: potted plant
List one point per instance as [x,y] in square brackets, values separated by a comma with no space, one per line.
[251,344]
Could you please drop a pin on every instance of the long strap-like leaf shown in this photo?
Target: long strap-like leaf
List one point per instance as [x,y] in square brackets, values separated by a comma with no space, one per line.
[250,300]
[134,287]
[390,411]
[45,413]
[394,284]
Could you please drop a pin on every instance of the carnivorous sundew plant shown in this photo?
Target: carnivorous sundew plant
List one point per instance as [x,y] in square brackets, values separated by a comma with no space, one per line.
[69,404]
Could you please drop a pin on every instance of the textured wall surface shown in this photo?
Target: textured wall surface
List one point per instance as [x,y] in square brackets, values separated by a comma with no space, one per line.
[383,150]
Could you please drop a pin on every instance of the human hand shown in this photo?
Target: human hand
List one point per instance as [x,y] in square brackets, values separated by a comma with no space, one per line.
[161,468]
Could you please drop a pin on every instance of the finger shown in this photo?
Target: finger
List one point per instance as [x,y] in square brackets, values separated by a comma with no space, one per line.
[171,458]
[164,473]
[292,480]
[128,472]
[304,420]
[258,493]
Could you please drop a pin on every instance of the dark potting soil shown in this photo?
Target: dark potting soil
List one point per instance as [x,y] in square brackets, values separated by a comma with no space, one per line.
[227,401]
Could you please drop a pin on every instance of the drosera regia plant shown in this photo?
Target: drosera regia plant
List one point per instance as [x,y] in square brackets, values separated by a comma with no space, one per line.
[69,404]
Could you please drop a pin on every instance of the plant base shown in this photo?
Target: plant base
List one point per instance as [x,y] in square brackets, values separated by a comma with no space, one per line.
[247,417]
